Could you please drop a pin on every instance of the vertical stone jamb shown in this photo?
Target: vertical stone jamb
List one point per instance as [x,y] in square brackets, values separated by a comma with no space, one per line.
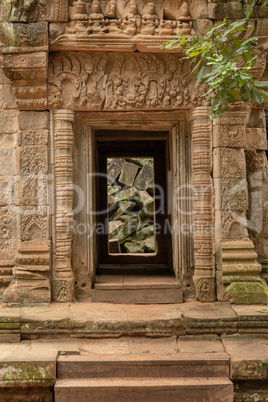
[238,271]
[63,279]
[204,276]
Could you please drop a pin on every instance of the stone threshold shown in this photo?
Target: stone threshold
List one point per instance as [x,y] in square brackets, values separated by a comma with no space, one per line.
[104,320]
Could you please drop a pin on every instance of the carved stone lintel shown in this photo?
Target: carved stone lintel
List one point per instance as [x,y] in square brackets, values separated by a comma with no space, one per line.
[204,276]
[28,73]
[119,81]
[32,275]
[63,144]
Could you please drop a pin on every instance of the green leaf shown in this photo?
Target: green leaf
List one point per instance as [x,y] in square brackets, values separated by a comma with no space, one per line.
[256,95]
[261,84]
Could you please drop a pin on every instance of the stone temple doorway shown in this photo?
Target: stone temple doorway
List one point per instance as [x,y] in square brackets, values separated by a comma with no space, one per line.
[152,142]
[135,245]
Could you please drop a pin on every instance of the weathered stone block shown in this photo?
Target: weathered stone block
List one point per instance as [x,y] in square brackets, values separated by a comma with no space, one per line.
[34,137]
[247,293]
[33,160]
[23,11]
[7,98]
[32,275]
[128,174]
[145,177]
[256,138]
[33,120]
[218,11]
[6,191]
[8,222]
[31,191]
[8,162]
[24,35]
[34,223]
[232,136]
[233,163]
[124,208]
[8,121]
[234,195]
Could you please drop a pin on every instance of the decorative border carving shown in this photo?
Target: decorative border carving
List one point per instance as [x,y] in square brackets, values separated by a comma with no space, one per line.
[63,145]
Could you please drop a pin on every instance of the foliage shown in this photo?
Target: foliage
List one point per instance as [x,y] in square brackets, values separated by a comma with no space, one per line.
[223,61]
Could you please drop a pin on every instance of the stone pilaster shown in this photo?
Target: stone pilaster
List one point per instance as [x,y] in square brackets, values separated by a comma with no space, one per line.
[204,276]
[63,279]
[237,266]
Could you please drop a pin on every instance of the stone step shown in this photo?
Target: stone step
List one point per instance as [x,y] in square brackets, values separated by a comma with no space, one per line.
[144,390]
[142,366]
[140,289]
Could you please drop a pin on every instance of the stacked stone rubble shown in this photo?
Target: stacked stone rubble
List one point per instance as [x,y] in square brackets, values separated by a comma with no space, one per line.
[131,206]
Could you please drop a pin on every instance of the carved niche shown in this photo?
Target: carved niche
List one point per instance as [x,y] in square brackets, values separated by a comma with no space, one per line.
[109,81]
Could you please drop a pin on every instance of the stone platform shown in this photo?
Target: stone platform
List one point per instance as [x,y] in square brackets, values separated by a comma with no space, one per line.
[212,333]
[104,320]
[36,365]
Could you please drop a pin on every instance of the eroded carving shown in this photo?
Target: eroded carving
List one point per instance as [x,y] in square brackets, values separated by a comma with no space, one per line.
[28,73]
[23,11]
[91,82]
[77,80]
[32,274]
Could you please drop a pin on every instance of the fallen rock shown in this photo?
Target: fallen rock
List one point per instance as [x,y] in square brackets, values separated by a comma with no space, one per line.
[128,174]
[145,177]
[113,225]
[125,230]
[114,246]
[150,246]
[113,172]
[134,247]
[123,208]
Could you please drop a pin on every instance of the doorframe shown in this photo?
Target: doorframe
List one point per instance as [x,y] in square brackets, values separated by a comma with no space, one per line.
[178,124]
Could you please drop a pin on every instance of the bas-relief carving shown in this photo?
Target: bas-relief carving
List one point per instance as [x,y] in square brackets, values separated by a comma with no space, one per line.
[120,25]
[77,80]
[34,223]
[86,81]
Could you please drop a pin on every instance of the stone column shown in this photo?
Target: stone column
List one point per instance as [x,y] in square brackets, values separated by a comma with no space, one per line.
[63,279]
[237,267]
[204,276]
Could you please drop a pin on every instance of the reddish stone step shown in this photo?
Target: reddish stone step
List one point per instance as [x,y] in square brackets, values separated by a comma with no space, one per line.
[141,366]
[140,289]
[144,390]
